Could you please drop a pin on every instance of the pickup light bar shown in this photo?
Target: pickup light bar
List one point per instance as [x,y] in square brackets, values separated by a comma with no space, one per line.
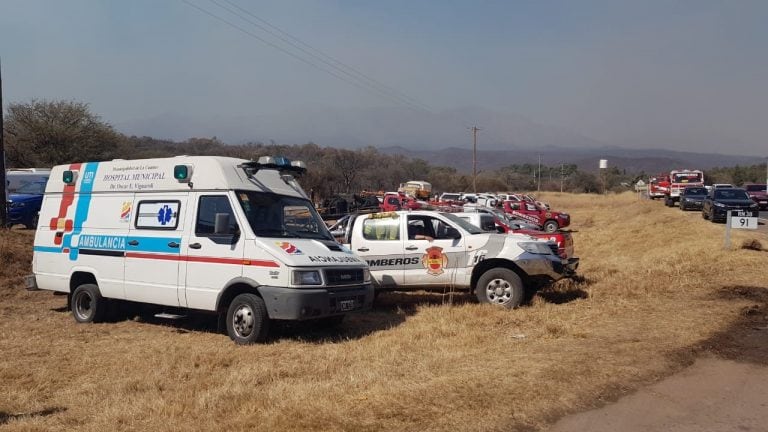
[279,163]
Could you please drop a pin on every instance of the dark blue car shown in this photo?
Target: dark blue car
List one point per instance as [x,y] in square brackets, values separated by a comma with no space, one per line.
[721,200]
[24,204]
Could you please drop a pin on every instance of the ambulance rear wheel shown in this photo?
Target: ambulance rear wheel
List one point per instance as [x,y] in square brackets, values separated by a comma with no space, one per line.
[500,286]
[247,319]
[87,304]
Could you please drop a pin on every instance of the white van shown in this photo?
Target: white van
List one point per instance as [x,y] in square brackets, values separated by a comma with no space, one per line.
[18,177]
[229,236]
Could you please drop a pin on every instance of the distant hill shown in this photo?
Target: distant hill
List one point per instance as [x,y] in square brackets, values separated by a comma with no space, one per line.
[649,160]
[441,138]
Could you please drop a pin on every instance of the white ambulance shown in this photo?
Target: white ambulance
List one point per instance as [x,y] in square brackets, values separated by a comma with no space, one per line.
[230,236]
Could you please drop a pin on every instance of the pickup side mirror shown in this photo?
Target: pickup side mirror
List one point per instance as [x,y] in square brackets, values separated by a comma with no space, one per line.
[452,233]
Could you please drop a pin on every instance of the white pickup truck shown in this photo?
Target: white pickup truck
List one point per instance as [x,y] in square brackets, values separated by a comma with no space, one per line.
[412,250]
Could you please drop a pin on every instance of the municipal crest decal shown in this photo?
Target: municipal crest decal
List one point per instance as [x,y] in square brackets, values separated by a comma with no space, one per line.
[434,260]
[289,248]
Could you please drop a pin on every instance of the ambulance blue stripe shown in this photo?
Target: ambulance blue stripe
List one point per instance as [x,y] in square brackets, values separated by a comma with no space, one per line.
[120,243]
[154,244]
[53,249]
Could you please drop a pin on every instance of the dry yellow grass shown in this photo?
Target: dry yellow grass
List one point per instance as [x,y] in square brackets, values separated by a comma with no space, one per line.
[655,289]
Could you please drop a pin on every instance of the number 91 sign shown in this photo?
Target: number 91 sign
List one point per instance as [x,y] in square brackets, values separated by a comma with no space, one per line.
[741,219]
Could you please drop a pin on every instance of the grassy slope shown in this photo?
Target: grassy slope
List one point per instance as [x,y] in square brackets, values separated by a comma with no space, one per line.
[656,289]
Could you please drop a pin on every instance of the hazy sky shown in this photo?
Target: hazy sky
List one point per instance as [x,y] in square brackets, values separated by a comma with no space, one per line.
[683,75]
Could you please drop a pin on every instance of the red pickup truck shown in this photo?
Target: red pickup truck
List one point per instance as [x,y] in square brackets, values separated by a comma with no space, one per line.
[495,220]
[758,194]
[394,201]
[549,221]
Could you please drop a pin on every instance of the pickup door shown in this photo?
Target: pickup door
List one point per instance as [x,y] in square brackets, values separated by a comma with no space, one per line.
[401,255]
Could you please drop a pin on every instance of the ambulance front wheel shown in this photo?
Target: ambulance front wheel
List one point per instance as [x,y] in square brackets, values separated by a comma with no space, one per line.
[247,319]
[87,304]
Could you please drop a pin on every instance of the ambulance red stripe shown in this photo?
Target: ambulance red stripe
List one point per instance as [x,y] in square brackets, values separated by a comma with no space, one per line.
[213,260]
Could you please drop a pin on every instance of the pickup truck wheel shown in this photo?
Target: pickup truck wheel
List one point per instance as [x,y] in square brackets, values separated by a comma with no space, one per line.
[551,226]
[87,304]
[500,286]
[247,319]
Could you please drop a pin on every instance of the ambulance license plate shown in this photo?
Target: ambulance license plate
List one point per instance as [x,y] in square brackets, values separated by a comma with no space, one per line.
[346,305]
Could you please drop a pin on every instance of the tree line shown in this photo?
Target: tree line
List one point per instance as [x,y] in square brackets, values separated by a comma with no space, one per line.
[43,133]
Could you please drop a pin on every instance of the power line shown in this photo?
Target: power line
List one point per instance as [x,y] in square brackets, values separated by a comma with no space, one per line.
[317,53]
[359,85]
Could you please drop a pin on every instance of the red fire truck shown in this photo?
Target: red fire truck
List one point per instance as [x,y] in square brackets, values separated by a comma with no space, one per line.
[658,186]
[679,180]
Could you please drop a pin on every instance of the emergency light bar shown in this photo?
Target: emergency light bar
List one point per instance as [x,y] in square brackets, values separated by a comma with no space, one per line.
[279,163]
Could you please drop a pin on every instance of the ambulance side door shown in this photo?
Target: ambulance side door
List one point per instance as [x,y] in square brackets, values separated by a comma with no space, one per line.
[212,259]
[153,246]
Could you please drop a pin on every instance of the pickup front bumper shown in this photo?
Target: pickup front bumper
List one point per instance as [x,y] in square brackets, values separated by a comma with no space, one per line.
[548,266]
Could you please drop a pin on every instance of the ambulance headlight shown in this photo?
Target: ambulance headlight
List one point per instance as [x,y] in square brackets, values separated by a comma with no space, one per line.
[540,248]
[307,277]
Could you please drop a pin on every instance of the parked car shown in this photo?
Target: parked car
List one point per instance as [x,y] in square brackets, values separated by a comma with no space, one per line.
[758,194]
[720,200]
[24,204]
[692,198]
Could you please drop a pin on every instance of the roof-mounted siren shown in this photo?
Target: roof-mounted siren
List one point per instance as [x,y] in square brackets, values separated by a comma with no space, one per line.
[281,164]
[183,173]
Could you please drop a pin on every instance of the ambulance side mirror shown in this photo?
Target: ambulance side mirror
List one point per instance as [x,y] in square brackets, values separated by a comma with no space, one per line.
[221,224]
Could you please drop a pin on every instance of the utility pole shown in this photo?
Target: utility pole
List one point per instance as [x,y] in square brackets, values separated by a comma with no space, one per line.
[4,204]
[538,182]
[562,176]
[474,130]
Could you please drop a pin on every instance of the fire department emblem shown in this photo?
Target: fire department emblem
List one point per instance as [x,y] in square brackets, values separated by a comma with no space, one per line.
[434,260]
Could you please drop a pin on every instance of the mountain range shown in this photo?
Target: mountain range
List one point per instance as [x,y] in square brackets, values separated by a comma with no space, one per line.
[442,138]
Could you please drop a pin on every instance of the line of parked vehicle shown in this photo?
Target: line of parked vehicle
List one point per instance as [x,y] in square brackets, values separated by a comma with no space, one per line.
[716,200]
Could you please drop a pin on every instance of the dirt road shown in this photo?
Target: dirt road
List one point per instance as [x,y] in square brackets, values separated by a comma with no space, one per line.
[724,390]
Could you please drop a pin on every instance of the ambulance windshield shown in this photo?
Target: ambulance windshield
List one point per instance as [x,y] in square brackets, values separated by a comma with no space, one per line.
[280,216]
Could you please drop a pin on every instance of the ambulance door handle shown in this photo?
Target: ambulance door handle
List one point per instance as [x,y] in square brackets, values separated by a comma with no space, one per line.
[133,243]
[363,249]
[411,248]
[195,246]
[173,244]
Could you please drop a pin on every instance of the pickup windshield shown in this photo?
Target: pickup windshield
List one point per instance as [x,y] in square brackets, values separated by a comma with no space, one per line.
[36,188]
[273,215]
[466,226]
